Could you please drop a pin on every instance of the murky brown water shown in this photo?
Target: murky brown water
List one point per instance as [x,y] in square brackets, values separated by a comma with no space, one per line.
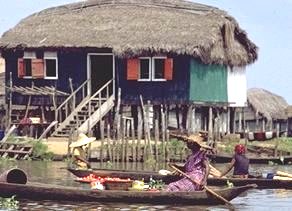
[55,173]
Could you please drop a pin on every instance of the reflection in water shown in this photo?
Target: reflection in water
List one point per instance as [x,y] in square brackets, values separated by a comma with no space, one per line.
[56,173]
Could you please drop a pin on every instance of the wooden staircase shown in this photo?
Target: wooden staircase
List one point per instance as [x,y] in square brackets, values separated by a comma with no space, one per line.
[87,113]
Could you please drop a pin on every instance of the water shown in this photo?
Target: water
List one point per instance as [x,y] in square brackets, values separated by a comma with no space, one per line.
[55,173]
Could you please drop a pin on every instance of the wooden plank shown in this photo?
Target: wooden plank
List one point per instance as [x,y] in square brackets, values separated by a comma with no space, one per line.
[7,150]
[13,127]
[28,153]
[17,154]
[47,130]
[15,151]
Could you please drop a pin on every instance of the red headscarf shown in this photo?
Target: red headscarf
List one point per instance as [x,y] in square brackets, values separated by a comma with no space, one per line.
[239,149]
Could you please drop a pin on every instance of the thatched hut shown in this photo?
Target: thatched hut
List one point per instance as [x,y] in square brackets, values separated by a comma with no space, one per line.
[172,52]
[265,111]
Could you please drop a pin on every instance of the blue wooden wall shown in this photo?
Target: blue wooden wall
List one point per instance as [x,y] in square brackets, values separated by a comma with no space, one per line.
[70,64]
[74,64]
[168,92]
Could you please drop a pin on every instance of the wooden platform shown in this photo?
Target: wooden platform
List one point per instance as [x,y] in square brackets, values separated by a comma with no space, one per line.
[14,150]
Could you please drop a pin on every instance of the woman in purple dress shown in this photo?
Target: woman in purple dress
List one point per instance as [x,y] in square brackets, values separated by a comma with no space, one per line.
[197,167]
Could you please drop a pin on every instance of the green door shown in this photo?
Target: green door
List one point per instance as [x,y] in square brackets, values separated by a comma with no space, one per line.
[208,83]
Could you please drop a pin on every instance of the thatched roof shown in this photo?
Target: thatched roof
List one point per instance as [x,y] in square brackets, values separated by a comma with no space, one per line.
[269,105]
[136,27]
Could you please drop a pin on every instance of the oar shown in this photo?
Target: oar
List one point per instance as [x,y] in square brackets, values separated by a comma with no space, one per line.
[207,188]
[283,174]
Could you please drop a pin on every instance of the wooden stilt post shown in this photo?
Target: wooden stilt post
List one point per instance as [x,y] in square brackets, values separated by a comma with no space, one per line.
[177,116]
[123,140]
[257,120]
[127,125]
[109,148]
[139,134]
[240,120]
[156,139]
[210,126]
[189,123]
[134,143]
[234,120]
[163,133]
[167,146]
[146,128]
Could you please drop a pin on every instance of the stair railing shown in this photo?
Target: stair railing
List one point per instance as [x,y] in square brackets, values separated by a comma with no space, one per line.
[70,103]
[99,97]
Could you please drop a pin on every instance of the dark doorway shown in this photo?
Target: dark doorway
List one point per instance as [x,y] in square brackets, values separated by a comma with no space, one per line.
[101,70]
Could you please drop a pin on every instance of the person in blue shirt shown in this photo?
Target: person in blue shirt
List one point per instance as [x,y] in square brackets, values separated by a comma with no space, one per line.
[239,162]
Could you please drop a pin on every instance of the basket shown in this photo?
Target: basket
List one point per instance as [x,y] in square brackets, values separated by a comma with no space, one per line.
[118,185]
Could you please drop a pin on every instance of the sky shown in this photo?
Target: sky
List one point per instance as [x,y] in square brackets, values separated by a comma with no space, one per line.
[267,22]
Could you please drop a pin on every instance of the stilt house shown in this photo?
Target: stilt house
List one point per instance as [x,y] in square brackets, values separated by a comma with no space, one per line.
[69,62]
[265,112]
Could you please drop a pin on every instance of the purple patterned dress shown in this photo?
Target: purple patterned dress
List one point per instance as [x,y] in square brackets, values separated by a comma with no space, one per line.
[195,169]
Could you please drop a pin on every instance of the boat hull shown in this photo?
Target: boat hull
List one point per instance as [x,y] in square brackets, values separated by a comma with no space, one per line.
[60,193]
[261,183]
[253,160]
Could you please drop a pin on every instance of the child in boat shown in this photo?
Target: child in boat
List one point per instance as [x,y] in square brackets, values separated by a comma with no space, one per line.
[196,166]
[79,152]
[240,163]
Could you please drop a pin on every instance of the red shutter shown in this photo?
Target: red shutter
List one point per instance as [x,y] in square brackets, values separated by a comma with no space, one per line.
[37,68]
[20,70]
[132,69]
[168,69]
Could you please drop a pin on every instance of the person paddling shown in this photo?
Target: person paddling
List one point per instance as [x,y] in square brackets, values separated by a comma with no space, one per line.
[79,152]
[196,167]
[240,163]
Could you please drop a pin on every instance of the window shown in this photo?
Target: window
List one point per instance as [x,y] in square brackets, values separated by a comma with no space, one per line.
[150,69]
[51,65]
[27,63]
[144,69]
[158,64]
[32,68]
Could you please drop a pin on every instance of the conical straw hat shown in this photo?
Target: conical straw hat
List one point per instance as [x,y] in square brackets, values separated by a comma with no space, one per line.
[82,140]
[195,138]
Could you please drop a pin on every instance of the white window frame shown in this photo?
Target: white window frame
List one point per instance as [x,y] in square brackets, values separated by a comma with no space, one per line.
[150,69]
[29,55]
[52,55]
[153,68]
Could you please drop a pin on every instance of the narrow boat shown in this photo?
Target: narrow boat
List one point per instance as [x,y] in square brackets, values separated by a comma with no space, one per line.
[41,191]
[134,175]
[282,160]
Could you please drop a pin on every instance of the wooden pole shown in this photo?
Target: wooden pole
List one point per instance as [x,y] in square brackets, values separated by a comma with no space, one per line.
[210,126]
[207,188]
[127,140]
[146,127]
[10,101]
[28,102]
[73,102]
[109,149]
[167,145]
[240,120]
[163,132]
[139,134]
[156,139]
[101,140]
[177,116]
[278,129]
[134,143]
[123,140]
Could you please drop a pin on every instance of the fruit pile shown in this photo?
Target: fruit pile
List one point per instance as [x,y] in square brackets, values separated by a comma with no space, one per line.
[93,178]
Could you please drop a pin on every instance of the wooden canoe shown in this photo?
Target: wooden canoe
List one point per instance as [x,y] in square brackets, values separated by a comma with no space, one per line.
[134,175]
[253,160]
[60,193]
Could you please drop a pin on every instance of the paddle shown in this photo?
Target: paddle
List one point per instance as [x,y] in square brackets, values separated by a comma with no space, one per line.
[207,188]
